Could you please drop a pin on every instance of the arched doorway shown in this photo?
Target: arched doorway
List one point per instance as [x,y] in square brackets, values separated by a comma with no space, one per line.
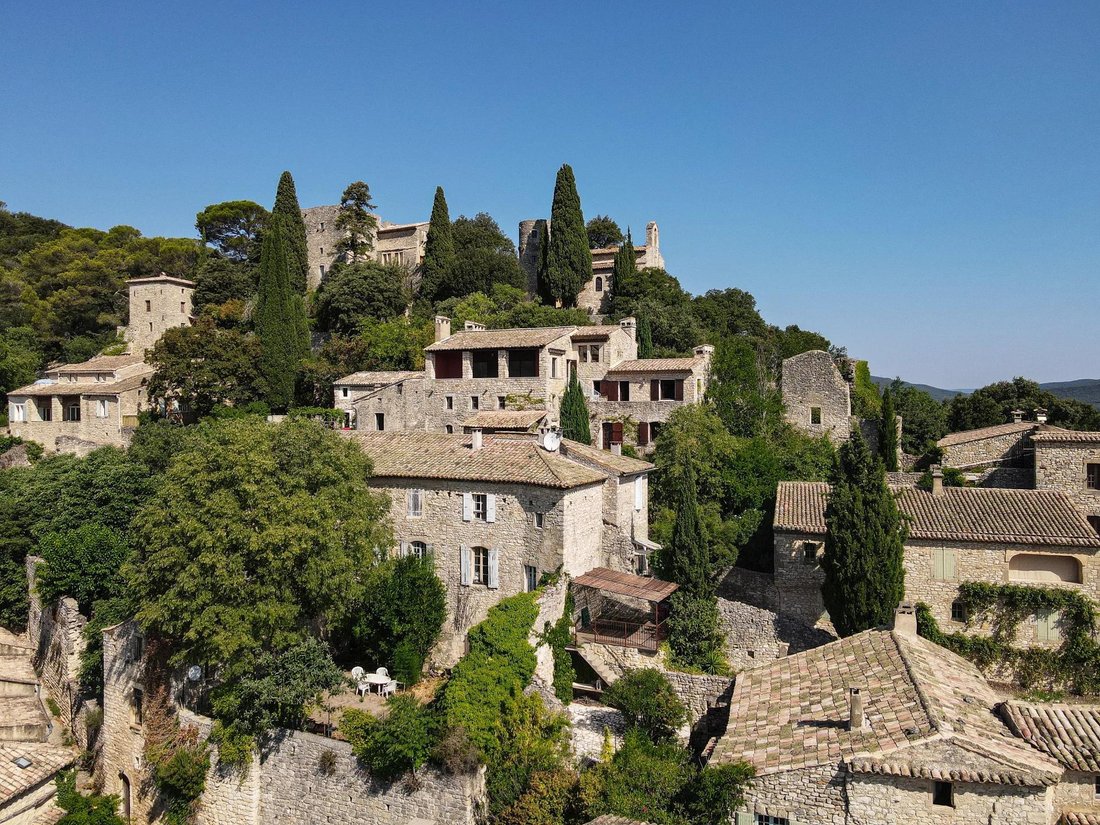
[125,796]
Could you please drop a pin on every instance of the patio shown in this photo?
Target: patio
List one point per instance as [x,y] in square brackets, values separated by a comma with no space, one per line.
[635,619]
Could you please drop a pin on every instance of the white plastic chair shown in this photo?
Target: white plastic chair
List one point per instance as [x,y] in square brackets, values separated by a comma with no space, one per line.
[389,688]
[382,672]
[357,672]
[362,688]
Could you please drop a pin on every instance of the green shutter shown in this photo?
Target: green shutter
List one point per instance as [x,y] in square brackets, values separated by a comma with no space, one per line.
[937,563]
[741,818]
[949,564]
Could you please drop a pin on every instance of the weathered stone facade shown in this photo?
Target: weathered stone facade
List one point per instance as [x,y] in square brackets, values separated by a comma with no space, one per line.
[755,635]
[397,244]
[56,633]
[1062,463]
[874,798]
[816,397]
[156,304]
[1001,444]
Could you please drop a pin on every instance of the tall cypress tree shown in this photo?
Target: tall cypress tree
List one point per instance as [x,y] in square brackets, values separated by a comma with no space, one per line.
[888,432]
[689,560]
[542,275]
[286,205]
[439,248]
[625,268]
[569,260]
[645,338]
[864,543]
[280,318]
[574,414]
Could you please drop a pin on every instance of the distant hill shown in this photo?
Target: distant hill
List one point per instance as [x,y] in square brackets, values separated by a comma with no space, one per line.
[1083,389]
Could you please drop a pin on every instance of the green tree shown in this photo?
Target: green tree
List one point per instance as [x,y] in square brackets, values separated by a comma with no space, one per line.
[287,208]
[279,319]
[569,261]
[235,228]
[994,404]
[625,270]
[356,221]
[888,432]
[79,809]
[542,266]
[397,744]
[645,338]
[727,312]
[484,258]
[741,389]
[353,293]
[574,413]
[864,543]
[866,402]
[923,418]
[647,700]
[257,533]
[689,564]
[20,359]
[220,280]
[83,563]
[603,232]
[439,249]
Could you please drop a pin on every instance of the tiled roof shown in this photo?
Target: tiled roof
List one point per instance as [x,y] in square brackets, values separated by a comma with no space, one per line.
[500,338]
[161,278]
[130,382]
[1058,434]
[46,760]
[369,379]
[928,713]
[593,332]
[966,436]
[646,588]
[960,514]
[605,459]
[655,365]
[1069,733]
[101,363]
[505,419]
[502,459]
[612,819]
[1081,817]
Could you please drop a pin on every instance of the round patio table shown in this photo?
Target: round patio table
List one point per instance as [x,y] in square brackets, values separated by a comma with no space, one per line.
[375,679]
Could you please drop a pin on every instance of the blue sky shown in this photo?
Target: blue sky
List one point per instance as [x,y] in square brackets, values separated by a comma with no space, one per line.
[919,182]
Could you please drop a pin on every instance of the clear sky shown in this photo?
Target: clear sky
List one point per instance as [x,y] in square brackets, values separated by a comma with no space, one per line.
[920,182]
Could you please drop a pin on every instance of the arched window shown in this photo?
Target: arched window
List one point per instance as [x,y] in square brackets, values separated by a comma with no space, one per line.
[1041,567]
[599,283]
[481,565]
[418,549]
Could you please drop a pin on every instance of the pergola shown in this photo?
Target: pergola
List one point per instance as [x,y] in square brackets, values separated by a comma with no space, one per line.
[607,620]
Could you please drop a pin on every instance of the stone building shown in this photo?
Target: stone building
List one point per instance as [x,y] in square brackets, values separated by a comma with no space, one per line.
[956,534]
[354,387]
[497,512]
[75,408]
[1001,444]
[882,726]
[400,244]
[1069,461]
[816,397]
[595,292]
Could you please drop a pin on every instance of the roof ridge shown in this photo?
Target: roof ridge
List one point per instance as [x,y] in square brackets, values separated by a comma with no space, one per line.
[937,723]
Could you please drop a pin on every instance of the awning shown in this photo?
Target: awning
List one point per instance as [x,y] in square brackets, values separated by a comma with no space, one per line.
[627,584]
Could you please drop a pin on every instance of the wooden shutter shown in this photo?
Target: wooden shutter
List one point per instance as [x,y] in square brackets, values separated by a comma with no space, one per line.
[950,557]
[465,565]
[643,433]
[467,506]
[937,563]
[1046,626]
[654,389]
[616,432]
[610,390]
[494,569]
[490,508]
[680,390]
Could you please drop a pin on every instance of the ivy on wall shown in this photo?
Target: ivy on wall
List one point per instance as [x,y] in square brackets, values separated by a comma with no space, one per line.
[1074,665]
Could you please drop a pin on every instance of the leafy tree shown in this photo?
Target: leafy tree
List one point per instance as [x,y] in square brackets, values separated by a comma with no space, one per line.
[220,280]
[20,359]
[204,367]
[568,261]
[542,266]
[792,340]
[484,257]
[79,809]
[234,228]
[994,404]
[741,389]
[257,532]
[645,338]
[646,698]
[716,793]
[356,220]
[728,312]
[439,248]
[574,413]
[866,402]
[924,420]
[548,799]
[287,208]
[397,744]
[888,433]
[279,319]
[864,543]
[83,563]
[693,635]
[352,293]
[535,744]
[21,232]
[603,232]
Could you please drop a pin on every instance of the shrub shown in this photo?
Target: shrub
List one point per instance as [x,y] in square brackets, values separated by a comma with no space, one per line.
[326,762]
[455,753]
[646,698]
[93,809]
[549,799]
[407,663]
[693,633]
[398,744]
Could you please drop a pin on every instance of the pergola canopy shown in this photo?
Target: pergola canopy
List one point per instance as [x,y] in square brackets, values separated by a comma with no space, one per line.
[646,588]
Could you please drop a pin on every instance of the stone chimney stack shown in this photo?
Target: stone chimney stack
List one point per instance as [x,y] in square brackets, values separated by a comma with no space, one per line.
[855,709]
[1017,416]
[937,481]
[1041,415]
[442,328]
[630,327]
[616,448]
[905,619]
[475,439]
[474,326]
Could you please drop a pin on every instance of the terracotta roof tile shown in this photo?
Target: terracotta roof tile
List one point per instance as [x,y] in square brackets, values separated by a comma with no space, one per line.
[1081,817]
[595,331]
[500,338]
[378,377]
[46,760]
[1069,733]
[1058,434]
[605,459]
[130,382]
[505,419]
[961,514]
[102,363]
[645,588]
[655,365]
[966,436]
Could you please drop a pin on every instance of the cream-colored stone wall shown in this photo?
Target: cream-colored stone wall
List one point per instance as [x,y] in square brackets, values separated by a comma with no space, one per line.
[882,799]
[981,452]
[811,381]
[56,632]
[121,744]
[811,795]
[397,244]
[155,307]
[1062,467]
[1076,790]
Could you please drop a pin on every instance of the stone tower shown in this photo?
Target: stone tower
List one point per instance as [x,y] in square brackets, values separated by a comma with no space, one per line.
[156,304]
[530,234]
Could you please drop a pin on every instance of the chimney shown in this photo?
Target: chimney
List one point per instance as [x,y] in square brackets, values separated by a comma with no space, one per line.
[704,351]
[784,649]
[442,327]
[474,326]
[855,709]
[905,620]
[475,439]
[937,481]
[616,448]
[1041,415]
[1017,416]
[630,327]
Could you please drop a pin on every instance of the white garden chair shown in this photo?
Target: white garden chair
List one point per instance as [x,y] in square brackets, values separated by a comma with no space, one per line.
[357,673]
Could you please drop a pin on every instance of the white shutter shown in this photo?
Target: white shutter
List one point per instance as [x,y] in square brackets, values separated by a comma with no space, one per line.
[490,508]
[464,565]
[494,569]
[467,506]
[429,550]
[937,563]
[404,551]
[638,495]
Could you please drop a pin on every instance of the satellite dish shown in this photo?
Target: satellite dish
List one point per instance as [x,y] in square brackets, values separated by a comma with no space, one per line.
[194,673]
[551,440]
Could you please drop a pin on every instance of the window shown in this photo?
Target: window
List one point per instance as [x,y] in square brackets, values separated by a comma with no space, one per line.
[1093,520]
[380,421]
[181,307]
[101,408]
[150,326]
[958,611]
[944,564]
[135,707]
[481,510]
[322,267]
[943,794]
[448,364]
[45,413]
[668,388]
[481,565]
[540,520]
[1096,788]
[641,561]
[322,250]
[815,415]
[583,354]
[1046,626]
[415,503]
[599,283]
[322,227]
[502,402]
[594,353]
[485,363]
[654,430]
[530,578]
[624,390]
[449,402]
[809,552]
[449,428]
[72,411]
[418,549]
[18,413]
[523,363]
[343,392]
[554,367]
[474,402]
[764,819]
[148,306]
[1092,476]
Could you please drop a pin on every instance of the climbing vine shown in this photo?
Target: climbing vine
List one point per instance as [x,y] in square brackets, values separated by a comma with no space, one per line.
[1075,664]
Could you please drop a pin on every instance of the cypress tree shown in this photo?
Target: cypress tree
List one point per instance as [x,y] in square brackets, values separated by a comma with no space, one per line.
[542,275]
[689,561]
[439,248]
[574,414]
[625,268]
[569,260]
[645,338]
[286,205]
[279,319]
[888,432]
[864,543]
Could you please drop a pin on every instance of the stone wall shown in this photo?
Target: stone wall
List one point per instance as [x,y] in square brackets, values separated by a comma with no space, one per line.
[809,795]
[997,449]
[120,767]
[750,586]
[56,633]
[321,239]
[1076,790]
[811,381]
[155,306]
[551,605]
[1062,467]
[797,580]
[755,636]
[1013,478]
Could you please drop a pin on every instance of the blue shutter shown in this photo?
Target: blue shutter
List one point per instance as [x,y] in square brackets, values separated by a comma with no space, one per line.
[467,506]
